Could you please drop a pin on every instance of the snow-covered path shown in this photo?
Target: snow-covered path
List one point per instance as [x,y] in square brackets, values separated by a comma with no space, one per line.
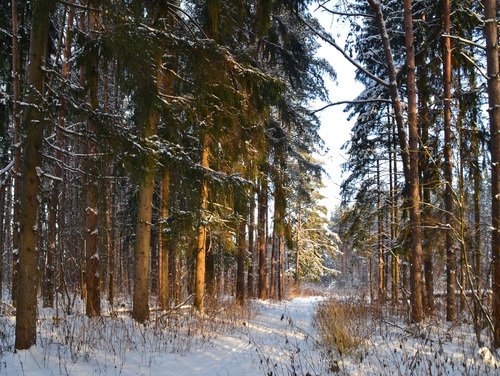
[277,338]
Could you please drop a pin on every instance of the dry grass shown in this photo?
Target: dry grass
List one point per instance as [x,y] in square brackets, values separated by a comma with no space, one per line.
[344,325]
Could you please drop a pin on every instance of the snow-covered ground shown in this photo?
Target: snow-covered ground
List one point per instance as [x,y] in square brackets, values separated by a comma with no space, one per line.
[266,338]
[274,337]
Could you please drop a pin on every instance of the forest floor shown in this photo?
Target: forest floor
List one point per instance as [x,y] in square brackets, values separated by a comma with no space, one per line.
[264,338]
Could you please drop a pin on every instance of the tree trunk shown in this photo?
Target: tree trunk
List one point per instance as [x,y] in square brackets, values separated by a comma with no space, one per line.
[451,313]
[416,288]
[16,140]
[491,36]
[163,245]
[380,228]
[427,179]
[240,272]
[297,253]
[34,122]
[393,87]
[199,299]
[251,246]
[92,276]
[261,238]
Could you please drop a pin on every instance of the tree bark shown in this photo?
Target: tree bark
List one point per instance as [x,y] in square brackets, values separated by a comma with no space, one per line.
[491,36]
[199,298]
[16,139]
[92,275]
[163,243]
[416,288]
[380,245]
[240,272]
[251,246]
[261,238]
[451,312]
[34,122]
[393,88]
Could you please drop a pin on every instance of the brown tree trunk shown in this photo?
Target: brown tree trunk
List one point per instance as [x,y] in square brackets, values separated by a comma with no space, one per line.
[199,298]
[297,250]
[451,312]
[491,36]
[251,246]
[92,276]
[240,272]
[380,246]
[426,168]
[34,123]
[393,87]
[163,245]
[261,238]
[394,216]
[16,138]
[416,288]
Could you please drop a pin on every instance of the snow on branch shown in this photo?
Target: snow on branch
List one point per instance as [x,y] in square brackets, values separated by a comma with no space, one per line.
[7,168]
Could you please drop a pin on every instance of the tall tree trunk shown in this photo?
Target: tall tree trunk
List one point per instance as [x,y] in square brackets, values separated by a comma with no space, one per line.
[394,215]
[380,246]
[393,87]
[163,244]
[240,272]
[251,246]
[92,276]
[34,122]
[491,36]
[297,250]
[199,298]
[16,140]
[426,168]
[281,261]
[261,237]
[451,312]
[416,288]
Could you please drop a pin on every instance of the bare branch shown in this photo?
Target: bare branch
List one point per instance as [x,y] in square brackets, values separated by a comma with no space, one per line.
[375,100]
[331,11]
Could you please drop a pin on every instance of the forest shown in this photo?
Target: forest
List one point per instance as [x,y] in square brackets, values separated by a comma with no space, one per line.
[161,169]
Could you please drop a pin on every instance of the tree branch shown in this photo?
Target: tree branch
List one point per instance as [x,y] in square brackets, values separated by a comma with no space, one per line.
[331,42]
[375,100]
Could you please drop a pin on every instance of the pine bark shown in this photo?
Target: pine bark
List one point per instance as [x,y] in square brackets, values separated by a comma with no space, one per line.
[261,238]
[16,139]
[199,298]
[163,245]
[251,246]
[92,272]
[34,123]
[451,313]
[416,285]
[240,272]
[491,36]
[393,87]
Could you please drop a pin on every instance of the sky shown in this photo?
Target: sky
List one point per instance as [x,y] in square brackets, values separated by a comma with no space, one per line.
[335,128]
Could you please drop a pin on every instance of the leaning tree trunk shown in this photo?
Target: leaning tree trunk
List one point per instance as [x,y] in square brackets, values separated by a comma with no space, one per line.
[34,122]
[491,35]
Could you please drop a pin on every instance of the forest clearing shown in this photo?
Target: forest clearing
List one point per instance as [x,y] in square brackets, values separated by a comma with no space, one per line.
[162,173]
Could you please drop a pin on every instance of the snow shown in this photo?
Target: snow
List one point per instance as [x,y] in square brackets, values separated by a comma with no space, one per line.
[264,338]
[275,337]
